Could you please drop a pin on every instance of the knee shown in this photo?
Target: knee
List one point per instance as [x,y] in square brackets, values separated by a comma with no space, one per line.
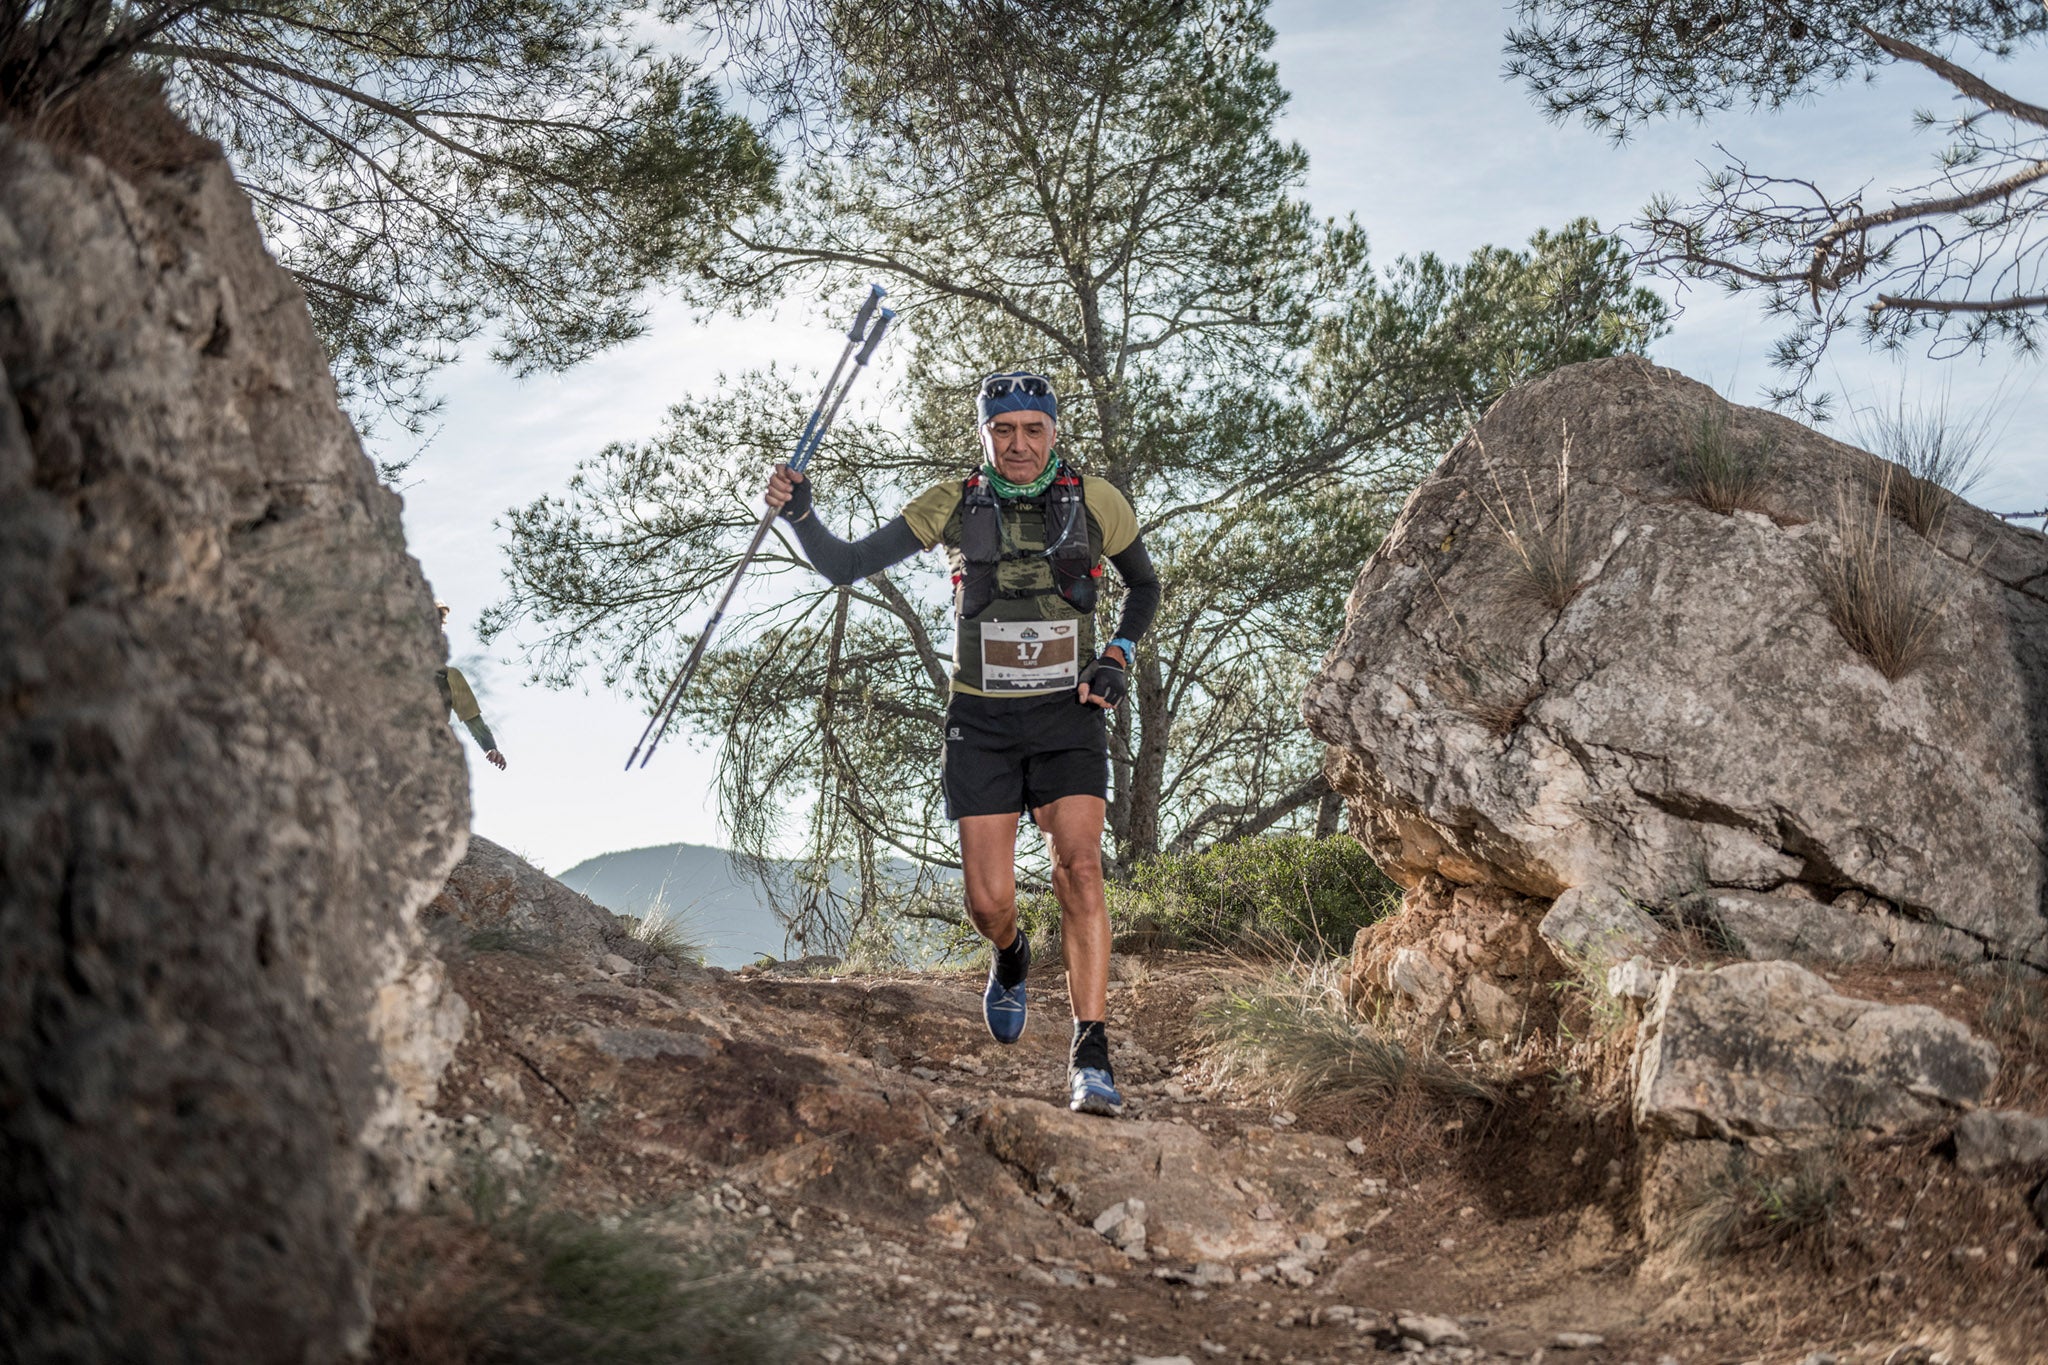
[985,908]
[1079,870]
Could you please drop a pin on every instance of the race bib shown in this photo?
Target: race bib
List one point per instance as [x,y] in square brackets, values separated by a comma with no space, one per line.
[1030,656]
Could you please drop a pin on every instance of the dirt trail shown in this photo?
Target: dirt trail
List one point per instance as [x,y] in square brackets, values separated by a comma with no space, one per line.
[926,1197]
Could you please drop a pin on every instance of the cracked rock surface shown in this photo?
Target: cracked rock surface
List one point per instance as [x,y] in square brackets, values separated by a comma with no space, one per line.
[1689,718]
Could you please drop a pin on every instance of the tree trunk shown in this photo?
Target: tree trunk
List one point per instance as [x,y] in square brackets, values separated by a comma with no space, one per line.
[1329,815]
[1148,768]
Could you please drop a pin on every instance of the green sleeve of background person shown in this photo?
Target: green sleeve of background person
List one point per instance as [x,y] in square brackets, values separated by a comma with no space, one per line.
[461,700]
[929,512]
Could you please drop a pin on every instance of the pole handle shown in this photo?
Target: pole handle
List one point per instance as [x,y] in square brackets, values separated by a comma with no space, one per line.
[875,337]
[867,310]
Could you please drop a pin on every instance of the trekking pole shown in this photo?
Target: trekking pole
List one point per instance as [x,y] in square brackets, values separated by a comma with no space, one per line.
[859,337]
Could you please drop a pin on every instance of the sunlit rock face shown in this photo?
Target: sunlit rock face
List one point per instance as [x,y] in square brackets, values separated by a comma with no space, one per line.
[226,784]
[1675,714]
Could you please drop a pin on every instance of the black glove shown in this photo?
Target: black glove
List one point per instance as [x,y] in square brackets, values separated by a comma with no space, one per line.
[1106,680]
[799,505]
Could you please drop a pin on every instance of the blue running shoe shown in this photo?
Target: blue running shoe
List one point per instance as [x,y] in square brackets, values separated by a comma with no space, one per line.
[1002,1007]
[1095,1093]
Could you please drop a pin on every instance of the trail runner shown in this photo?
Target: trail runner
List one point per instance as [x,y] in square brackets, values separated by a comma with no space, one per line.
[1026,535]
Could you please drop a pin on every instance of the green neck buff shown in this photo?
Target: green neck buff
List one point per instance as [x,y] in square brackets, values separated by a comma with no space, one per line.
[1004,488]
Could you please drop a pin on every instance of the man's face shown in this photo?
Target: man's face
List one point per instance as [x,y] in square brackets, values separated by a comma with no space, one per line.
[1018,444]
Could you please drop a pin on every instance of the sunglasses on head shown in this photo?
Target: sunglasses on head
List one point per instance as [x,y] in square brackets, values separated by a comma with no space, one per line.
[1003,385]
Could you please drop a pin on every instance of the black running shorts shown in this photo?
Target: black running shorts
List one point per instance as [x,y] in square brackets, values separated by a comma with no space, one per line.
[1006,755]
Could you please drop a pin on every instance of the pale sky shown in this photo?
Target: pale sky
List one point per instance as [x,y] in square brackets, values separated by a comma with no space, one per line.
[1408,124]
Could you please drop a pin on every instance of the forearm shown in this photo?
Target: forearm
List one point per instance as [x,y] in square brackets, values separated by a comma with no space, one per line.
[1141,591]
[481,733]
[844,562]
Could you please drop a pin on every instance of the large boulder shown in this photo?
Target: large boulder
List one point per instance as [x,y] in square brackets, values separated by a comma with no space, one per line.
[226,781]
[1769,1049]
[1689,720]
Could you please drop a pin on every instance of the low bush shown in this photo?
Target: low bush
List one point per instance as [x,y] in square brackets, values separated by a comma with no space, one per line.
[1284,892]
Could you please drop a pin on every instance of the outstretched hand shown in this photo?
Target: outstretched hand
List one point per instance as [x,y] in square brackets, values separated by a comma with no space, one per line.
[789,493]
[496,759]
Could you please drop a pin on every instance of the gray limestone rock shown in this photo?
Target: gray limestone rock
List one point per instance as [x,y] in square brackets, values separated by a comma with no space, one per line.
[1774,928]
[493,888]
[1769,1049]
[227,783]
[1597,925]
[1429,1329]
[1635,979]
[1999,1139]
[1690,715]
[1854,929]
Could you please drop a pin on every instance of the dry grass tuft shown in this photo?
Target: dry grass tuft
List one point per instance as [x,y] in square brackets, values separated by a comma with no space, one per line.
[1502,716]
[1720,472]
[662,930]
[1937,457]
[1292,1033]
[1751,1205]
[1493,691]
[120,118]
[1550,557]
[1883,599]
[494,1284]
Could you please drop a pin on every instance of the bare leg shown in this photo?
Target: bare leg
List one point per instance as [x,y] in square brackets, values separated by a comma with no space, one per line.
[1073,830]
[988,862]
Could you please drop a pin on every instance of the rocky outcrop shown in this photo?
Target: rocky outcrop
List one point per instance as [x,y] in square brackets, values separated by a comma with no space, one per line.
[1615,685]
[1769,1049]
[494,889]
[1470,957]
[226,786]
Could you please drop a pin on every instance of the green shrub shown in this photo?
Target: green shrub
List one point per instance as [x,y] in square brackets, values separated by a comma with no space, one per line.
[1282,892]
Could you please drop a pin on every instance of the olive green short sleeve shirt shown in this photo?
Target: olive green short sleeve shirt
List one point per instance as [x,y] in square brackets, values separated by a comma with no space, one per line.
[934,515]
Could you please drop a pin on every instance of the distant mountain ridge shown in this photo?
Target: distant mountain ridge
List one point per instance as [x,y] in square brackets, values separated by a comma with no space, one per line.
[724,913]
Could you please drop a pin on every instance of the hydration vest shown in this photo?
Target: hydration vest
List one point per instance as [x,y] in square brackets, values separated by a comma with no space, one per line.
[1025,579]
[1071,555]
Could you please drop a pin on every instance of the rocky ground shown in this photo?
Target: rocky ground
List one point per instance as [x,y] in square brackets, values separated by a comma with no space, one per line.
[911,1191]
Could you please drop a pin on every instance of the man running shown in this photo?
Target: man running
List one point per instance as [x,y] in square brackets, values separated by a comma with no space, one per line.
[1026,535]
